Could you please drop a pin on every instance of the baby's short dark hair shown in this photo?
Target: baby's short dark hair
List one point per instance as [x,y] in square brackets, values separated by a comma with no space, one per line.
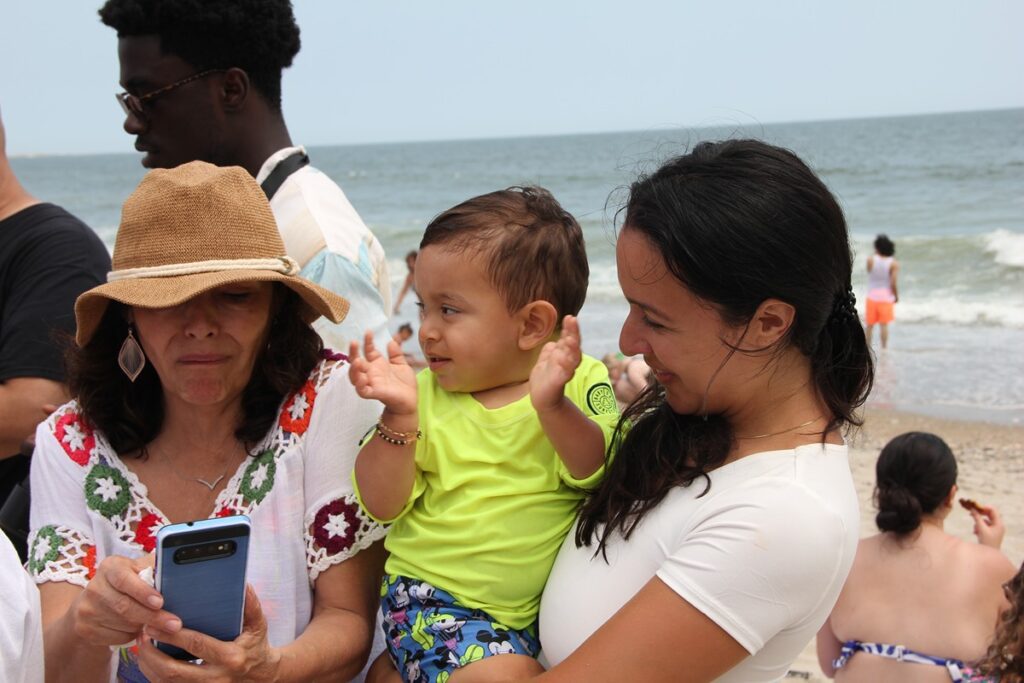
[534,248]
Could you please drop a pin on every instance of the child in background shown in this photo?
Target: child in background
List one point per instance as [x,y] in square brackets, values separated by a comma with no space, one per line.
[479,462]
[410,279]
[629,376]
[882,292]
[403,335]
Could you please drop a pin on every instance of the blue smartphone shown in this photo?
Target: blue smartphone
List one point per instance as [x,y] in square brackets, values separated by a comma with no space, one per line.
[200,571]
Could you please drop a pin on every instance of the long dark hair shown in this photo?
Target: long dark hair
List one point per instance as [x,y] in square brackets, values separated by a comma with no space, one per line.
[913,476]
[131,414]
[1005,657]
[737,222]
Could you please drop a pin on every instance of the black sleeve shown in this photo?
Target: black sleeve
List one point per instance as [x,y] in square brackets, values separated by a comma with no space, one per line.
[58,257]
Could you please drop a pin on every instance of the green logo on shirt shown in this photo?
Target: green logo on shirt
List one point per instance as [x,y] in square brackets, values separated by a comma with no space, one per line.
[601,399]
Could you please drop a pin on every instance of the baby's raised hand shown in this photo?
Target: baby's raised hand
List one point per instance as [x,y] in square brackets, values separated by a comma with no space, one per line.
[388,379]
[555,367]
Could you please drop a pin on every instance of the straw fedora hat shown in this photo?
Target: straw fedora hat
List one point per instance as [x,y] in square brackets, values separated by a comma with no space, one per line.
[190,229]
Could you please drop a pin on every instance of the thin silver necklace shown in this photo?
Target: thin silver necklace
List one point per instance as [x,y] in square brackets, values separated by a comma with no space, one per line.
[208,484]
[784,431]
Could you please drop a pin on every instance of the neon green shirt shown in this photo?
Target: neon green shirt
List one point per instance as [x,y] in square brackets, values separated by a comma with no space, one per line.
[492,501]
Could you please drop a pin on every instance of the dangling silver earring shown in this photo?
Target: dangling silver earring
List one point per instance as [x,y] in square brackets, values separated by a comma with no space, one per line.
[131,358]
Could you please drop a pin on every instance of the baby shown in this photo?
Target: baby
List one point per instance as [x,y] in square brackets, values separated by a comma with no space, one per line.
[479,462]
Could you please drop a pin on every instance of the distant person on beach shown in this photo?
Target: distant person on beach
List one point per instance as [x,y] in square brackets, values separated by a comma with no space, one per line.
[725,525]
[479,462]
[202,82]
[403,335]
[47,258]
[919,604]
[629,376]
[1004,660]
[410,281]
[882,293]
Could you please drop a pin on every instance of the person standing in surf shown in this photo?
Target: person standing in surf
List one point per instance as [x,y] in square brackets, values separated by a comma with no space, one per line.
[882,293]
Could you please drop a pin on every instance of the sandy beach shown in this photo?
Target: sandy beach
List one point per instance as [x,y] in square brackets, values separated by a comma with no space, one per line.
[991,465]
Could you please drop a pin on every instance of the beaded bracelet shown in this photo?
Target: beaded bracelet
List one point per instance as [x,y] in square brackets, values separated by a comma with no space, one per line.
[396,438]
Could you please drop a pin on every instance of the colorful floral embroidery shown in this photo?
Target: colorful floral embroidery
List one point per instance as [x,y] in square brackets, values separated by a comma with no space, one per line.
[338,530]
[107,491]
[145,531]
[89,561]
[298,410]
[75,437]
[331,354]
[45,548]
[333,530]
[335,526]
[59,553]
[259,477]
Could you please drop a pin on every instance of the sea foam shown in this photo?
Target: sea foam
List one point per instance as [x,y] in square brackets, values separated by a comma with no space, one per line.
[1006,247]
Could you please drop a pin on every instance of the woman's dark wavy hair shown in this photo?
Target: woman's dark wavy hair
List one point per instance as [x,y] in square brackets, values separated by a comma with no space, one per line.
[1004,660]
[257,36]
[913,476]
[737,222]
[131,414]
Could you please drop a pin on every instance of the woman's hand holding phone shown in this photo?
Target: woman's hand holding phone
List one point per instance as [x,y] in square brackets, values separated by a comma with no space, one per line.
[248,657]
[116,604]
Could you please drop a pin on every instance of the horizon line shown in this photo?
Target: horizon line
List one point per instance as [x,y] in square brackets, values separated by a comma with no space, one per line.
[381,143]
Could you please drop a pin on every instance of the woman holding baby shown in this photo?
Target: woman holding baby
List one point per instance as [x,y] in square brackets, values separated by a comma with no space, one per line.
[727,521]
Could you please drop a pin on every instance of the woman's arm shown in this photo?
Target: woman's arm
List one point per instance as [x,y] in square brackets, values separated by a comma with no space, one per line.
[656,636]
[80,624]
[893,271]
[828,647]
[67,657]
[338,639]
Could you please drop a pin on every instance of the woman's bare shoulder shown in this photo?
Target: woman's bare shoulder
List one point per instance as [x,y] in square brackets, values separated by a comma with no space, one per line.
[991,561]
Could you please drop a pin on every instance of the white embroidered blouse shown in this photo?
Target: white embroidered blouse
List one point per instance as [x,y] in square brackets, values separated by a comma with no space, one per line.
[86,505]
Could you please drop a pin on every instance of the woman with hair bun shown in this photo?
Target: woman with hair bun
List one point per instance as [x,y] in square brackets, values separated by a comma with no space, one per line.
[919,602]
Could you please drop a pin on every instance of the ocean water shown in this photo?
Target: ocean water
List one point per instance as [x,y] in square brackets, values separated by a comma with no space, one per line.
[948,189]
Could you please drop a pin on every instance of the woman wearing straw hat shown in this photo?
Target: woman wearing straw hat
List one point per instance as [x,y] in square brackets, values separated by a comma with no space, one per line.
[201,390]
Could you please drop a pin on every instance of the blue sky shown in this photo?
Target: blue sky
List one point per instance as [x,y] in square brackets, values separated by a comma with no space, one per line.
[413,70]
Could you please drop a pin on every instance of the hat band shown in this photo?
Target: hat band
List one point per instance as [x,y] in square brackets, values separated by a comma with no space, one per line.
[281,264]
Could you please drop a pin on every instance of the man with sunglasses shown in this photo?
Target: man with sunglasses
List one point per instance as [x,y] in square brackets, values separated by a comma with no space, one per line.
[203,81]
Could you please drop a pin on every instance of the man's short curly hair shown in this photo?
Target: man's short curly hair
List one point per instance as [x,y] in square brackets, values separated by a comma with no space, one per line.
[258,36]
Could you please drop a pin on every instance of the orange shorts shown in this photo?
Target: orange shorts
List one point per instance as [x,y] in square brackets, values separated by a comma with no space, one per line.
[879,312]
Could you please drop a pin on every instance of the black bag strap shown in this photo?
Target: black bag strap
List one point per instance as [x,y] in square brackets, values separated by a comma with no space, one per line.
[287,166]
[14,503]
